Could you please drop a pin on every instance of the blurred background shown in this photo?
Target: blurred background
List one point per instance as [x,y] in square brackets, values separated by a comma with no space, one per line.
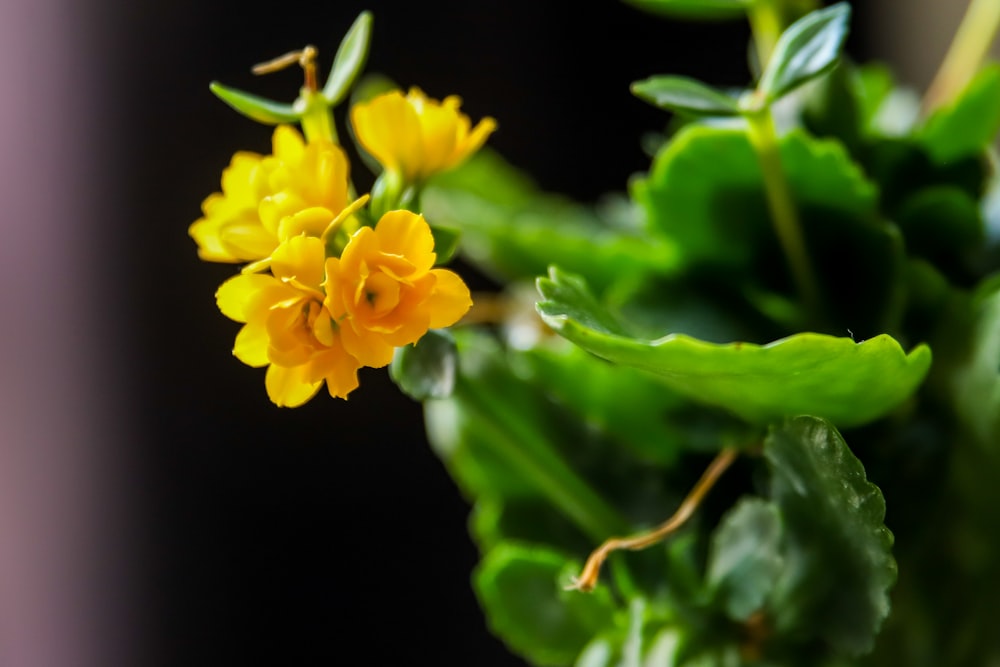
[155,508]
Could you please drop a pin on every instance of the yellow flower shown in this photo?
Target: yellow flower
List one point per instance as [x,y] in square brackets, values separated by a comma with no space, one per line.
[287,326]
[300,188]
[384,291]
[415,136]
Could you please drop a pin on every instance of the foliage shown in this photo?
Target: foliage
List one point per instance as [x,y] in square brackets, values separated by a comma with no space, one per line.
[819,298]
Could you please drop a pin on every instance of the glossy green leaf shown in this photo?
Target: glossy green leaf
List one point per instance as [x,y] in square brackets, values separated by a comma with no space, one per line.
[969,124]
[685,95]
[501,437]
[350,59]
[808,48]
[705,194]
[630,407]
[520,588]
[745,559]
[517,237]
[847,382]
[839,565]
[944,225]
[426,369]
[705,190]
[254,107]
[694,9]
[902,168]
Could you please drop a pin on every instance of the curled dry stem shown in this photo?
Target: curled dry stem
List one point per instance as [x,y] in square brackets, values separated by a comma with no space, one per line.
[592,569]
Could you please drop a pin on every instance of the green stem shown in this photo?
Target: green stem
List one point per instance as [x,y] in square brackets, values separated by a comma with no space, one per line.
[784,214]
[968,49]
[317,119]
[530,453]
[766,24]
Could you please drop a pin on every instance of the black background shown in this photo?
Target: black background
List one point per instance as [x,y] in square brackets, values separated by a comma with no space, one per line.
[298,537]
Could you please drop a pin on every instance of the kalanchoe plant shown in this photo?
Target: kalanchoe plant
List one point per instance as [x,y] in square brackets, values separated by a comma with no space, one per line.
[672,447]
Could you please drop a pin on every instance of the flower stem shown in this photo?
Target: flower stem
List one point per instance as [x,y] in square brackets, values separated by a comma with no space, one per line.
[784,214]
[968,48]
[766,25]
[317,119]
[592,569]
[529,453]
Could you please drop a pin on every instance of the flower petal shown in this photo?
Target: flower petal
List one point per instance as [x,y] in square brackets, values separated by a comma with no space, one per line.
[339,369]
[389,129]
[300,258]
[407,234]
[235,296]
[289,387]
[287,144]
[251,345]
[366,346]
[449,300]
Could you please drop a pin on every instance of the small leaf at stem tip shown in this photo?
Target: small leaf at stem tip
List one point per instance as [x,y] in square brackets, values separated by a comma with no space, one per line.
[349,60]
[808,48]
[682,94]
[255,108]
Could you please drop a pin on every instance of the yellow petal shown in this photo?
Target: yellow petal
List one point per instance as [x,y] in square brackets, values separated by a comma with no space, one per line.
[206,233]
[248,240]
[339,369]
[300,258]
[289,387]
[407,234]
[365,346]
[449,300]
[251,345]
[236,294]
[478,137]
[288,145]
[274,208]
[242,177]
[440,130]
[389,129]
[311,221]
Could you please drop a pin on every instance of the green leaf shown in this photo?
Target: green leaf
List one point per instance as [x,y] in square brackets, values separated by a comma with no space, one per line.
[705,194]
[838,559]
[501,437]
[969,124]
[745,558]
[685,95]
[942,224]
[874,86]
[426,369]
[255,108]
[807,49]
[350,59]
[511,231]
[694,9]
[902,167]
[705,191]
[846,382]
[630,407]
[520,588]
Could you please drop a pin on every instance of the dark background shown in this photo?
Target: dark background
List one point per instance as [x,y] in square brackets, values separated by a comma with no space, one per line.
[296,537]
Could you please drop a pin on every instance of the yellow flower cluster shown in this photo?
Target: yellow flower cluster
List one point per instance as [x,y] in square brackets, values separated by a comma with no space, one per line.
[312,313]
